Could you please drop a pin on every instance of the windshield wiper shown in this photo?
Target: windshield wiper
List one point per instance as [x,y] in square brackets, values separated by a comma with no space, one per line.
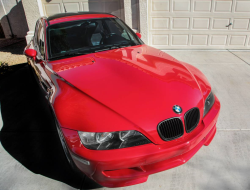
[108,47]
[124,44]
[92,49]
[114,46]
[69,54]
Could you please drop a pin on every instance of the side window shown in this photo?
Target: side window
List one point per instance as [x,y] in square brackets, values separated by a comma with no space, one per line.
[39,27]
[40,40]
[114,27]
[127,34]
[35,33]
[41,43]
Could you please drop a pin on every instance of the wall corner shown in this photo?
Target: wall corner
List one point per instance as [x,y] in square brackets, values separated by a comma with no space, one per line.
[143,9]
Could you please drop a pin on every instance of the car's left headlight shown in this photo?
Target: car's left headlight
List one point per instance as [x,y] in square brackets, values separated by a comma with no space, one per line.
[112,140]
[209,102]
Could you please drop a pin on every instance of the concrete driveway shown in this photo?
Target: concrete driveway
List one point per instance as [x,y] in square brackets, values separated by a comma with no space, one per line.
[225,164]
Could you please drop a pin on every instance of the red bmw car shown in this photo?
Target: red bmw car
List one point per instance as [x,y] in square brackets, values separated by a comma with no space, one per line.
[123,110]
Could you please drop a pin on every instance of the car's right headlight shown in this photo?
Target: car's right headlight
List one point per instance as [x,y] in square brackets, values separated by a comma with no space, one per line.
[112,140]
[209,102]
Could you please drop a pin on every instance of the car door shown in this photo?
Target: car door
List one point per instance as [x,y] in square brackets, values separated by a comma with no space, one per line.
[39,62]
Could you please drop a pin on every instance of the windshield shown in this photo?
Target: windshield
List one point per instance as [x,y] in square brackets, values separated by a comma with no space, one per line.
[88,36]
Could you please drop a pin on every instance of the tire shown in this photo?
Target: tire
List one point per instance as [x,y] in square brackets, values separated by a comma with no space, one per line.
[65,149]
[63,143]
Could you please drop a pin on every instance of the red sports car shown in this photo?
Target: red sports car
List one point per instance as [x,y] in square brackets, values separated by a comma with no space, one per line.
[123,110]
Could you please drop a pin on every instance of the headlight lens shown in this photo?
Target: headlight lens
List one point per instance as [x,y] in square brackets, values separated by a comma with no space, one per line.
[112,140]
[209,102]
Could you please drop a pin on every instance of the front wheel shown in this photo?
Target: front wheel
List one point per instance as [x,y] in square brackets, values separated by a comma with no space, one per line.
[63,143]
[66,151]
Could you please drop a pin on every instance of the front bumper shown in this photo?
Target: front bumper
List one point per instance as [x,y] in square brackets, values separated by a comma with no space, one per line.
[130,166]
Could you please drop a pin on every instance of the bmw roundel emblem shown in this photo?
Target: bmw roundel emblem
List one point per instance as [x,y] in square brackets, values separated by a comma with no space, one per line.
[177,109]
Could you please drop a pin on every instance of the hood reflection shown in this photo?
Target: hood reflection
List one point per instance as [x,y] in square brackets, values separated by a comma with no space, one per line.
[62,66]
[149,60]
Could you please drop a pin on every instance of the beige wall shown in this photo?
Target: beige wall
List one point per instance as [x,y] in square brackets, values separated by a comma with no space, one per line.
[12,16]
[143,9]
[32,14]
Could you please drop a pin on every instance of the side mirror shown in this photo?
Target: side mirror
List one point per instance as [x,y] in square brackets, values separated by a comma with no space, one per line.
[31,53]
[138,34]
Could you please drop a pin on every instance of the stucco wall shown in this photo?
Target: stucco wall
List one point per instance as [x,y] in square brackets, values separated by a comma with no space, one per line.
[143,7]
[1,10]
[4,22]
[13,19]
[31,12]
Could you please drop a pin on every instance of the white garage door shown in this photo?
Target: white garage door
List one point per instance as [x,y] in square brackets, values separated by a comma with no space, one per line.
[115,7]
[199,24]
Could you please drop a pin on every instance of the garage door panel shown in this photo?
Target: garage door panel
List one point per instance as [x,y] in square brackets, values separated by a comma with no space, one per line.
[202,6]
[161,39]
[201,40]
[160,5]
[52,8]
[240,24]
[181,5]
[223,6]
[180,23]
[242,6]
[160,23]
[201,23]
[72,7]
[206,24]
[180,40]
[220,23]
[218,40]
[237,40]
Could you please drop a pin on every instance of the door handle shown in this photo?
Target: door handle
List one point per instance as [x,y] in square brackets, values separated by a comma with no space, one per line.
[229,24]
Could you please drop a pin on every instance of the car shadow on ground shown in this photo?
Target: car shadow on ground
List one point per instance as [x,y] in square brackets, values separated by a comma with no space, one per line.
[29,134]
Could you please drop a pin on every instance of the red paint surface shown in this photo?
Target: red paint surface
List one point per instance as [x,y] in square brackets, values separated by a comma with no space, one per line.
[131,88]
[129,166]
[31,53]
[138,34]
[63,66]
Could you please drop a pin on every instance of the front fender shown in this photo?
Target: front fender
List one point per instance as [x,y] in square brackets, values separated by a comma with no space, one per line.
[78,111]
[201,79]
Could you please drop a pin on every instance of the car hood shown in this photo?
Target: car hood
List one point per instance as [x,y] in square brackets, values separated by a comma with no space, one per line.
[140,83]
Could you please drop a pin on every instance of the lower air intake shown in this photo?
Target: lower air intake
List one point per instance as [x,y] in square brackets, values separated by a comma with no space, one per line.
[170,129]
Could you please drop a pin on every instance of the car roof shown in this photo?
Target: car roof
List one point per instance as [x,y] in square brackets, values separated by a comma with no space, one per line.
[64,17]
